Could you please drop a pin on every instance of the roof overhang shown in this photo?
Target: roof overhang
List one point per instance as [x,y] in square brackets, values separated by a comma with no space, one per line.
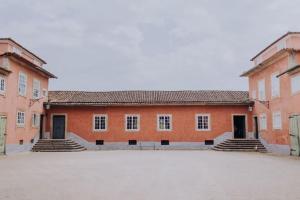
[283,36]
[27,63]
[274,58]
[246,103]
[13,41]
[4,71]
[291,71]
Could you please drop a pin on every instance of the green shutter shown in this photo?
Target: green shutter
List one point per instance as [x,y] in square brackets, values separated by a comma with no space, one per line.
[2,132]
[294,135]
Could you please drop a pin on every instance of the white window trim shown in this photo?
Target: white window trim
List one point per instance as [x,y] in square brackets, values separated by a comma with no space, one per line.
[39,88]
[266,123]
[274,75]
[21,125]
[264,86]
[106,122]
[44,91]
[196,121]
[2,92]
[25,90]
[279,127]
[254,94]
[293,90]
[38,120]
[138,122]
[164,115]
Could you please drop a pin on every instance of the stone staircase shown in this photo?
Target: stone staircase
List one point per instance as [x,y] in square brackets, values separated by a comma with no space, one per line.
[57,145]
[243,145]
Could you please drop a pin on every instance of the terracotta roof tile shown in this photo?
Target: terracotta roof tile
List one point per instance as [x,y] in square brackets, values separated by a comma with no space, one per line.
[201,97]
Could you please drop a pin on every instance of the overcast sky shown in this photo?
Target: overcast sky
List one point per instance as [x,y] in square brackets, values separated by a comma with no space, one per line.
[141,44]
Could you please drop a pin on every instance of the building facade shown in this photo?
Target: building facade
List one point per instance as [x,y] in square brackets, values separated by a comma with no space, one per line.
[155,119]
[270,111]
[23,90]
[274,86]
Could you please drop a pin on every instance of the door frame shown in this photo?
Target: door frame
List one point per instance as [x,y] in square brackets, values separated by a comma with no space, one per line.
[5,133]
[51,123]
[246,122]
[254,127]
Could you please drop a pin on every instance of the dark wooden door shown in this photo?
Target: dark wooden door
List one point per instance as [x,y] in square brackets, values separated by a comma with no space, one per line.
[58,127]
[41,126]
[239,126]
[256,134]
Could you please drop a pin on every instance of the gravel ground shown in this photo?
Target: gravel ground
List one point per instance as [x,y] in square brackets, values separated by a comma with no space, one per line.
[139,175]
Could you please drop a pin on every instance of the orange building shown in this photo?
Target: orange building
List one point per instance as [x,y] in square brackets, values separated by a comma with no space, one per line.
[139,119]
[270,111]
[23,90]
[274,86]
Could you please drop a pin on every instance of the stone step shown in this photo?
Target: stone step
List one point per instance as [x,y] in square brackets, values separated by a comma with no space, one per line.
[244,145]
[57,146]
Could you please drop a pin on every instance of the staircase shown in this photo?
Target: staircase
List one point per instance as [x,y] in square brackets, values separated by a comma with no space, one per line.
[55,145]
[244,145]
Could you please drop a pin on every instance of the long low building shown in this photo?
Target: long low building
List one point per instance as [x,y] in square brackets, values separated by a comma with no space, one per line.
[121,119]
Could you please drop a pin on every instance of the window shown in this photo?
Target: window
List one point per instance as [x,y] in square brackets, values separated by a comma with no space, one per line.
[277,124]
[295,84]
[99,142]
[22,84]
[164,122]
[5,62]
[261,90]
[164,142]
[254,94]
[132,142]
[20,119]
[275,84]
[263,122]
[132,122]
[35,120]
[2,85]
[45,93]
[100,122]
[203,122]
[36,90]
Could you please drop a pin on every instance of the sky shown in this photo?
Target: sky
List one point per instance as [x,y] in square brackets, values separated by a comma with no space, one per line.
[98,45]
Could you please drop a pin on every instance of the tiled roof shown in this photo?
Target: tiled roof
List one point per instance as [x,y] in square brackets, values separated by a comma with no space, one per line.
[202,97]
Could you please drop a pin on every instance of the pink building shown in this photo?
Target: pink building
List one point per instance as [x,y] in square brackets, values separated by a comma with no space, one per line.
[23,90]
[274,85]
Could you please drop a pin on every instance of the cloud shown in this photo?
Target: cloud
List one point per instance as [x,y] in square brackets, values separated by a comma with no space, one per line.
[132,44]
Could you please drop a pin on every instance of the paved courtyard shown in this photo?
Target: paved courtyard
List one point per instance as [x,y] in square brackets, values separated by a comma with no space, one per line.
[182,175]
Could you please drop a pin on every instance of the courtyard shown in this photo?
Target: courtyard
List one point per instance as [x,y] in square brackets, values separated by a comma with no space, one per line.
[139,175]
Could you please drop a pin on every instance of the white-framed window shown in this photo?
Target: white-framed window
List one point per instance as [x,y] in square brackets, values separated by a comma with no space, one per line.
[253,94]
[100,122]
[263,122]
[202,122]
[36,89]
[132,122]
[20,119]
[35,120]
[277,121]
[295,82]
[45,93]
[5,62]
[22,84]
[164,122]
[262,90]
[2,85]
[275,85]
